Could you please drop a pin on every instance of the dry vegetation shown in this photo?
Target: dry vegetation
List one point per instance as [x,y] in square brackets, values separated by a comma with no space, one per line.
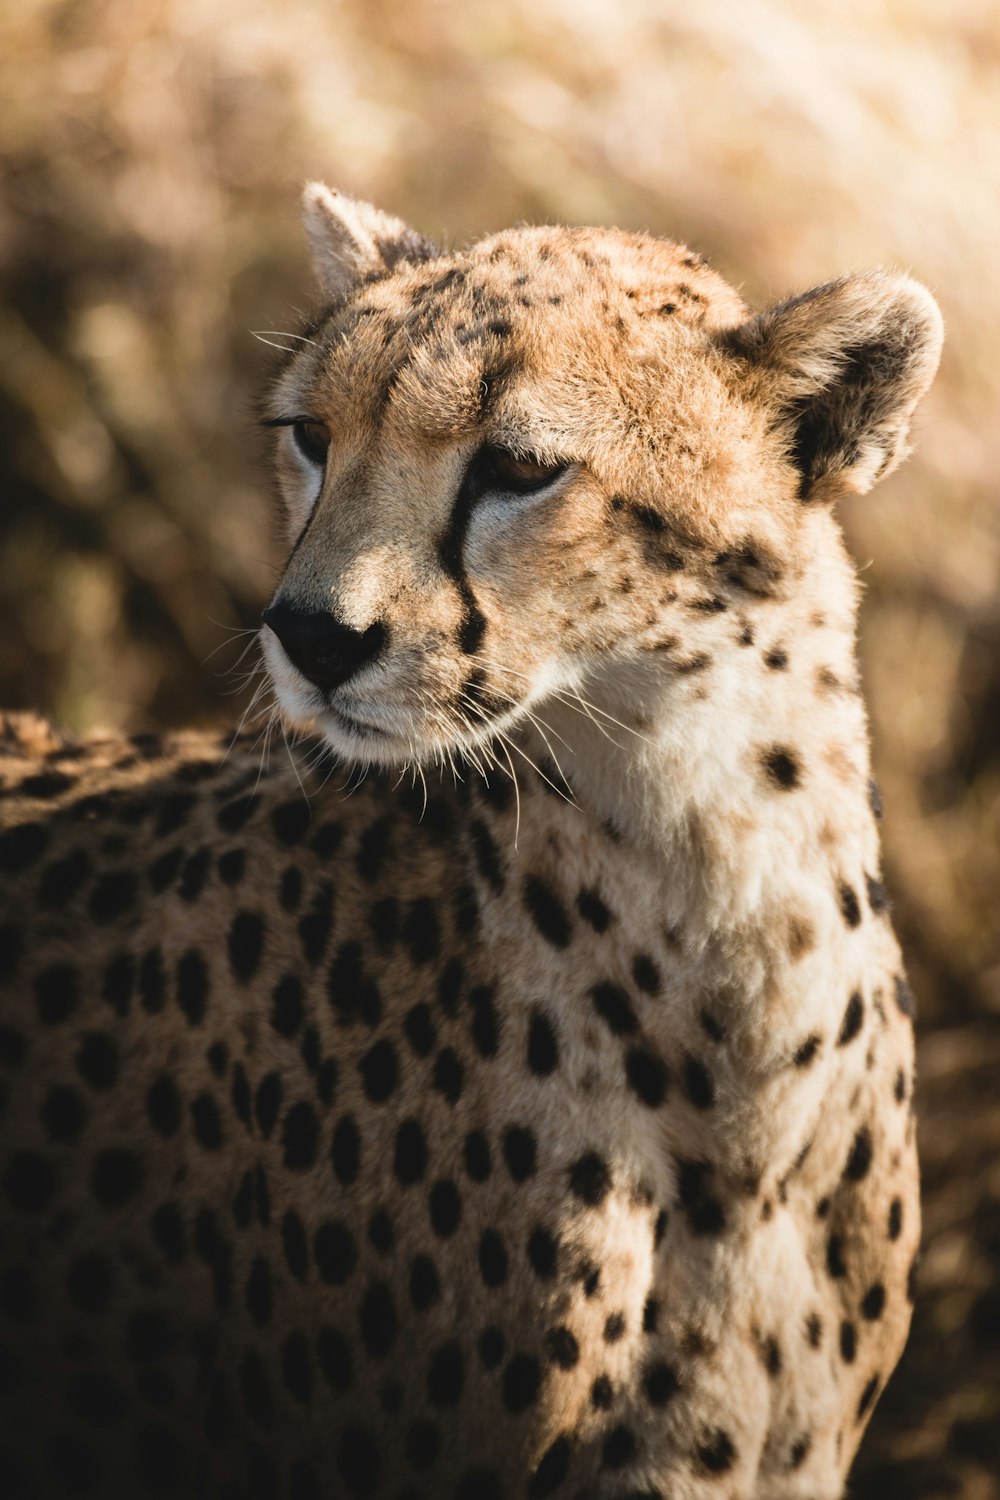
[151,156]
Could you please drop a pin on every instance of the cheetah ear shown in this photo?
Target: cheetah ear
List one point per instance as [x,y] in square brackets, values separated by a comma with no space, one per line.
[350,239]
[841,369]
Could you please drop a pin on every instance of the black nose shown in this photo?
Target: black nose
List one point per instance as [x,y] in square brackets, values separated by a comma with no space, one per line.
[325,651]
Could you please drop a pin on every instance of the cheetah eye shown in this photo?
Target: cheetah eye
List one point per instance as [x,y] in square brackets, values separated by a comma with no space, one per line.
[519,476]
[312,439]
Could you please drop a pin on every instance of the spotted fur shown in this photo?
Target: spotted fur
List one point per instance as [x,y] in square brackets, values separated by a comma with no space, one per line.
[459,1138]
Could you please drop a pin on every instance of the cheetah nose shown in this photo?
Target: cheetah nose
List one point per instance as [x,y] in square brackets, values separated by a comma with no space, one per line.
[323,649]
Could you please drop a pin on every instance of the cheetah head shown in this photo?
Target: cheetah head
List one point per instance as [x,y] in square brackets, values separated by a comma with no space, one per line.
[549,465]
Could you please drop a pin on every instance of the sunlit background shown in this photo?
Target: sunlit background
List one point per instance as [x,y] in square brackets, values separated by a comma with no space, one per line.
[151,155]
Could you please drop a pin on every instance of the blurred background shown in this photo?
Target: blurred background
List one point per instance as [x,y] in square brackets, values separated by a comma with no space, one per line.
[151,156]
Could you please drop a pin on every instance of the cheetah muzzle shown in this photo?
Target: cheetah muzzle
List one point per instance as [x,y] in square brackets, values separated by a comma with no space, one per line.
[534,1120]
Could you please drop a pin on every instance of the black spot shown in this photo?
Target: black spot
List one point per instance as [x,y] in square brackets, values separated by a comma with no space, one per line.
[589,1179]
[296,1366]
[770,1353]
[712,1027]
[353,994]
[246,944]
[782,767]
[904,998]
[520,1152]
[207,1122]
[300,1136]
[602,1394]
[860,1157]
[716,1452]
[421,932]
[377,1320]
[849,905]
[543,1049]
[814,1330]
[28,1181]
[521,1381]
[449,1075]
[873,1302]
[89,1282]
[612,1005]
[420,1030]
[163,1105]
[193,874]
[867,1396]
[546,911]
[335,1252]
[614,1327]
[291,821]
[334,1357]
[799,1451]
[487,855]
[267,1102]
[425,1288]
[112,895]
[776,659]
[895,1219]
[492,1258]
[148,1335]
[446,1375]
[476,1154]
[853,1021]
[698,1083]
[445,1206]
[660,1383]
[63,1113]
[359,1461]
[562,1348]
[167,1228]
[423,1444]
[231,865]
[192,986]
[62,879]
[806,1052]
[56,993]
[835,1263]
[410,1161]
[290,888]
[163,871]
[381,1234]
[646,974]
[485,1024]
[97,1059]
[619,1447]
[543,1253]
[235,815]
[552,1470]
[20,847]
[704,1213]
[379,1069]
[647,1076]
[593,910]
[286,1006]
[345,1150]
[650,1315]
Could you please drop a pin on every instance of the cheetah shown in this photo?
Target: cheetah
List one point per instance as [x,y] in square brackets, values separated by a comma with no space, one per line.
[521,1105]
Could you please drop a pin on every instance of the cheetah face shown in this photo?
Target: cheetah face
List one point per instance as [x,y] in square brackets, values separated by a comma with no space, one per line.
[550,463]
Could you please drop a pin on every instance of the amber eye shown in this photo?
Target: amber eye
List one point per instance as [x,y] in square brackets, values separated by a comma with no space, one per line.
[312,439]
[521,475]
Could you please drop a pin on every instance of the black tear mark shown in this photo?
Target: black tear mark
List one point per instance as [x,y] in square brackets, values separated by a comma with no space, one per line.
[472,628]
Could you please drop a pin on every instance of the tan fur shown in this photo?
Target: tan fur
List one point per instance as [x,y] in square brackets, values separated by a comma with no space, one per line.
[479,1138]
